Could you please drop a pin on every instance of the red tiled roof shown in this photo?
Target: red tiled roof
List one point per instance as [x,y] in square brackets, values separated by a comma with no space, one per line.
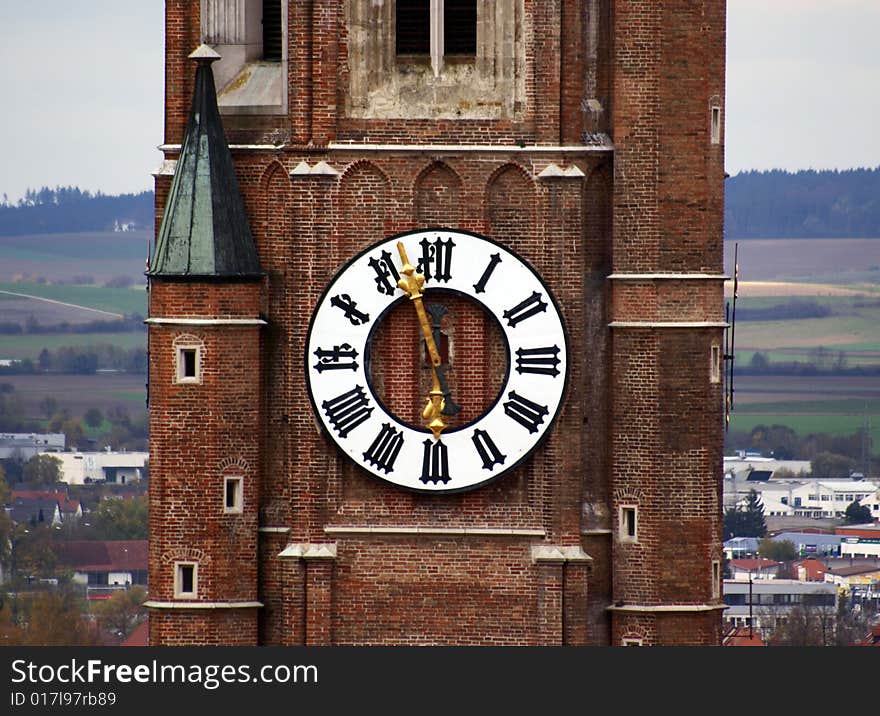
[66,504]
[97,556]
[814,568]
[140,636]
[741,637]
[753,564]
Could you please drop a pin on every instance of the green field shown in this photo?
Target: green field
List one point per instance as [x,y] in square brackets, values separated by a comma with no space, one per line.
[853,328]
[29,345]
[806,423]
[115,300]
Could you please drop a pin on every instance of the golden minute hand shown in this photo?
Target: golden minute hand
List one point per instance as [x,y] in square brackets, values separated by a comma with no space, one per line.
[411,283]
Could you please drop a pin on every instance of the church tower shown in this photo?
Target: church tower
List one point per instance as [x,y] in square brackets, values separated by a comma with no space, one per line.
[436,323]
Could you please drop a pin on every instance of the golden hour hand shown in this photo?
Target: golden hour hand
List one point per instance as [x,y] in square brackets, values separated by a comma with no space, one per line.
[412,283]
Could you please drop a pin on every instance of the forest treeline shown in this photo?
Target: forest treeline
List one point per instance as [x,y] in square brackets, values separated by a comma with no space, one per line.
[801,205]
[70,210]
[773,204]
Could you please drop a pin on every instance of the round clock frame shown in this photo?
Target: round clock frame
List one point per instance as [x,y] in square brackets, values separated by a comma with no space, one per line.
[337,361]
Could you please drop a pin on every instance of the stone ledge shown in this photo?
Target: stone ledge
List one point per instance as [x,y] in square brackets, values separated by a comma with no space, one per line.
[666,608]
[309,550]
[451,531]
[556,553]
[201,605]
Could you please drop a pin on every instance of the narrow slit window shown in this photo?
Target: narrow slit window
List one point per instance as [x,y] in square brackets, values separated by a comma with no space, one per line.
[185,580]
[233,494]
[716,579]
[715,364]
[628,524]
[187,364]
[716,125]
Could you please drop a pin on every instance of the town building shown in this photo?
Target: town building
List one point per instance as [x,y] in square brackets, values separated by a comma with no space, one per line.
[104,567]
[526,452]
[859,540]
[105,466]
[761,604]
[24,446]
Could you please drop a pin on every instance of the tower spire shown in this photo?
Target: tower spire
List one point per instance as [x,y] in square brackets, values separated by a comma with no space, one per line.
[205,232]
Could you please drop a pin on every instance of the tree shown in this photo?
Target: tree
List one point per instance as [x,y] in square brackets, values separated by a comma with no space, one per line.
[857,514]
[93,417]
[746,521]
[74,434]
[5,491]
[123,611]
[42,470]
[829,464]
[805,624]
[56,619]
[777,550]
[48,405]
[116,518]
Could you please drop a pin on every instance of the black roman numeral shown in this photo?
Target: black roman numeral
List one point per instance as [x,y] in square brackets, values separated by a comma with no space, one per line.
[345,412]
[543,361]
[436,260]
[525,309]
[387,275]
[489,453]
[337,358]
[528,414]
[480,286]
[344,303]
[385,448]
[435,463]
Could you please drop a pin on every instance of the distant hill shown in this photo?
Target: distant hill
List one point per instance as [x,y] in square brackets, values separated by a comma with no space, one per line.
[806,204]
[772,204]
[69,210]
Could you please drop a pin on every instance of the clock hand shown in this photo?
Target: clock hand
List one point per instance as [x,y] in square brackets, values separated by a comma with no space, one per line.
[437,311]
[412,284]
[450,406]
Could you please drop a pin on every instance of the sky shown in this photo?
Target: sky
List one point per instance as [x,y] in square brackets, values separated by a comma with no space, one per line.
[803,90]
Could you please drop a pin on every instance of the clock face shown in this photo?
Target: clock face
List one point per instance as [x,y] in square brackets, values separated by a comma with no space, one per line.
[349,383]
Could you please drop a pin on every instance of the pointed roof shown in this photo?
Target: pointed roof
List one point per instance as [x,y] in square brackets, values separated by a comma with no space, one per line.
[205,231]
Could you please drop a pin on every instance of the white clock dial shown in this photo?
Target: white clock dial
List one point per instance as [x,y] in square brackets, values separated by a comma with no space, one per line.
[406,454]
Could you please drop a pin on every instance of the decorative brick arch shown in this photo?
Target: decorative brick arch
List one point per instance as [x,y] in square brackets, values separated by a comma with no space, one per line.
[229,466]
[510,206]
[364,206]
[438,196]
[628,495]
[634,633]
[186,554]
[272,228]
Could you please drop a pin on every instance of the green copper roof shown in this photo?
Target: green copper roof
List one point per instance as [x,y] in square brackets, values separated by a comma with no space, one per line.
[205,231]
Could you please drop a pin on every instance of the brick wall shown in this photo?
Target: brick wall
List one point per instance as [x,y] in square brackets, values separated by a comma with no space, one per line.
[641,422]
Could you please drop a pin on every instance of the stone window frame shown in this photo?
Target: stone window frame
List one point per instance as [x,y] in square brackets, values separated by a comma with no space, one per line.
[715,363]
[238,496]
[632,641]
[717,576]
[234,28]
[183,344]
[491,84]
[716,118]
[179,566]
[625,534]
[437,38]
